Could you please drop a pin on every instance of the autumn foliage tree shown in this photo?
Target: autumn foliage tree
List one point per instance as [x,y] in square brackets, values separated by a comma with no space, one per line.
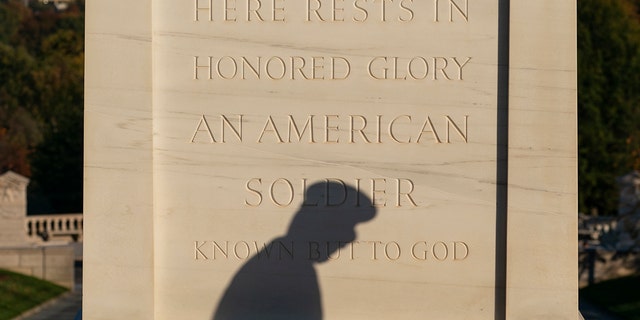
[41,101]
[608,99]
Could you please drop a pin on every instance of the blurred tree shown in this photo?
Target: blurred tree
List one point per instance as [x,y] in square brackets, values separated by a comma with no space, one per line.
[17,85]
[11,16]
[60,84]
[608,99]
[19,134]
[41,93]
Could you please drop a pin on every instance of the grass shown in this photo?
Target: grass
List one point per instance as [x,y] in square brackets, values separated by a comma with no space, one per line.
[19,293]
[620,296]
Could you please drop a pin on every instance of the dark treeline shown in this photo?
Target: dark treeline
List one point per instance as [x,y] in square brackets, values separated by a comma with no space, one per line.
[41,100]
[608,99]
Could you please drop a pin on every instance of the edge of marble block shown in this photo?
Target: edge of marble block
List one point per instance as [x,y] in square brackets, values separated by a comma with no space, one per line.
[542,174]
[118,208]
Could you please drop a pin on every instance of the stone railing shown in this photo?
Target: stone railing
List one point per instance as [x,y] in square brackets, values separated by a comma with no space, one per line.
[47,227]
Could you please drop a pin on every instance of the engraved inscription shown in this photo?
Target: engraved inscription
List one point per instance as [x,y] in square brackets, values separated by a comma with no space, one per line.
[455,8]
[237,10]
[241,250]
[328,68]
[333,129]
[358,250]
[204,129]
[440,250]
[359,10]
[271,68]
[284,192]
[327,11]
[417,68]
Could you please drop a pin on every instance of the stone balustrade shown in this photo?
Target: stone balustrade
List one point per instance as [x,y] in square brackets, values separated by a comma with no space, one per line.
[46,227]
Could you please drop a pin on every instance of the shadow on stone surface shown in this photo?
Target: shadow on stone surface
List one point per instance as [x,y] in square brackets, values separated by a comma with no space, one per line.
[280,281]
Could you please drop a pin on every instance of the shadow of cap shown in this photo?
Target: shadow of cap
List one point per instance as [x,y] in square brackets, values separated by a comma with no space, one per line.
[330,208]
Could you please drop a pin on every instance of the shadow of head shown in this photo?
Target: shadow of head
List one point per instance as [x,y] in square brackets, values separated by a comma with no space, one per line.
[328,217]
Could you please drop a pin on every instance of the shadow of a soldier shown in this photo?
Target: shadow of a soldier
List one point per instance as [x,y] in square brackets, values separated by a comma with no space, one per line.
[280,281]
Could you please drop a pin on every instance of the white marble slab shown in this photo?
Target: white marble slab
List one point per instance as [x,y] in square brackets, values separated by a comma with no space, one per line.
[205,137]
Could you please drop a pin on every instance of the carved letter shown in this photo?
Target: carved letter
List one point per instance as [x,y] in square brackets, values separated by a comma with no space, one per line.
[392,123]
[357,192]
[460,66]
[255,11]
[327,127]
[378,128]
[451,123]
[365,13]
[423,253]
[315,10]
[456,246]
[299,69]
[225,251]
[428,123]
[288,250]
[274,129]
[278,10]
[385,70]
[352,128]
[198,8]
[196,67]
[407,9]
[442,69]
[304,196]
[336,9]
[384,9]
[247,250]
[198,251]
[333,68]
[464,13]
[411,68]
[351,250]
[224,122]
[234,68]
[294,127]
[314,250]
[266,249]
[290,192]
[328,196]
[202,121]
[444,253]
[229,9]
[329,257]
[397,249]
[375,191]
[374,249]
[317,67]
[452,4]
[254,191]
[283,65]
[255,69]
[395,70]
[407,194]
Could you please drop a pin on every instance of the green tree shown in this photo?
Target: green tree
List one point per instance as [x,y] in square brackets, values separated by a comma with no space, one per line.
[608,99]
[11,16]
[41,101]
[19,134]
[60,84]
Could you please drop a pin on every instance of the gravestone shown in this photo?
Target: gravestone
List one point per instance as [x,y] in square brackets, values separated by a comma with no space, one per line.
[330,159]
[13,209]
